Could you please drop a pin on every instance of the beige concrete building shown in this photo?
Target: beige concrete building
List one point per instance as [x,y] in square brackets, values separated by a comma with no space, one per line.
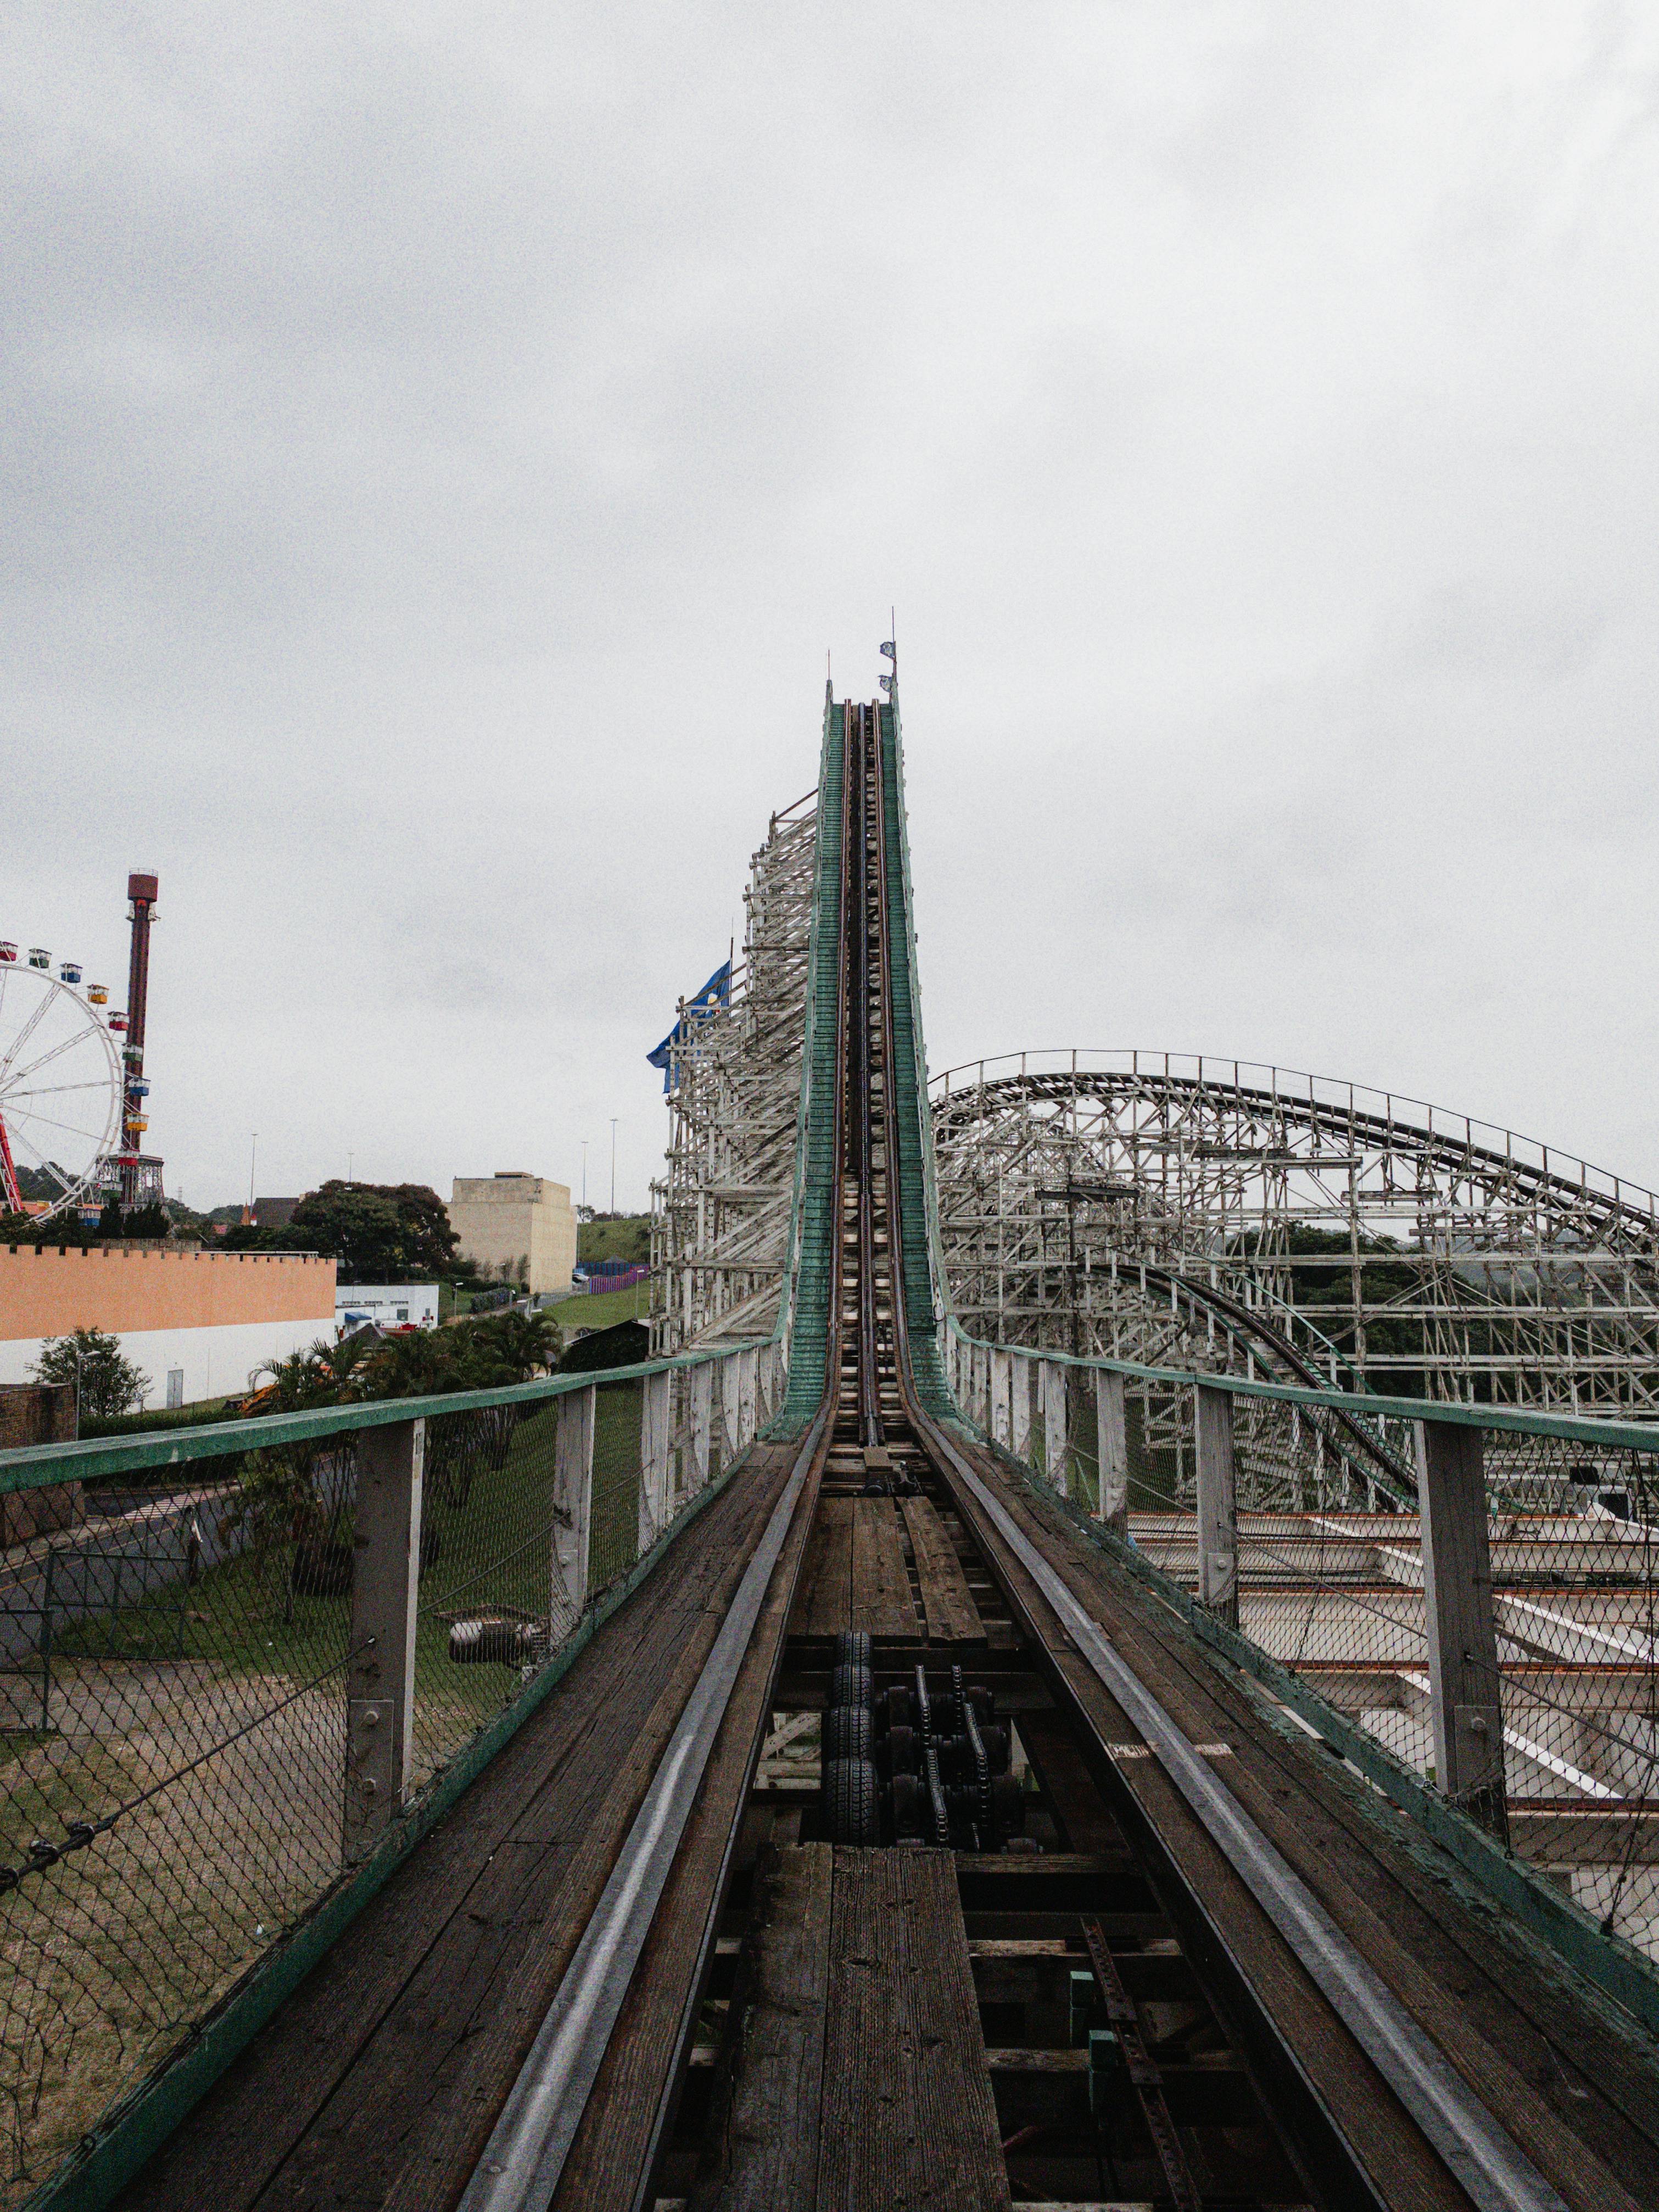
[511,1217]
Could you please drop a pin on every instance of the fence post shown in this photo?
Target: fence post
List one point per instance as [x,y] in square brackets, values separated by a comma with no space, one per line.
[653,1458]
[763,1385]
[1463,1680]
[1001,1387]
[1019,1404]
[748,1364]
[1217,1516]
[703,1407]
[729,1417]
[380,1673]
[1053,1424]
[573,1500]
[1112,1448]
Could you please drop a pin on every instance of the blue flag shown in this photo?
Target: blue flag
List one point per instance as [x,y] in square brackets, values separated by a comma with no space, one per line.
[715,994]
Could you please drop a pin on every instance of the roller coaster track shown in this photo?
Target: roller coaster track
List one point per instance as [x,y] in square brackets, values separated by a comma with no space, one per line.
[1059,1913]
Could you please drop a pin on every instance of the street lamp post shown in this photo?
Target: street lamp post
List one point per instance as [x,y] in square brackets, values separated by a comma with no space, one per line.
[613,1163]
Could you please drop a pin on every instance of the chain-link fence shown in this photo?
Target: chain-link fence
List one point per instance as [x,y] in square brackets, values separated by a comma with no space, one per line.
[191,1733]
[1483,1601]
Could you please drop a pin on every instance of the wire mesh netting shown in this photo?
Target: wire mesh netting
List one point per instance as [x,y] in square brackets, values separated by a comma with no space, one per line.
[173,1700]
[1331,1583]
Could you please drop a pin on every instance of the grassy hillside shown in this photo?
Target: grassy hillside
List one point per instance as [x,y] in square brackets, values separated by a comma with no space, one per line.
[628,1237]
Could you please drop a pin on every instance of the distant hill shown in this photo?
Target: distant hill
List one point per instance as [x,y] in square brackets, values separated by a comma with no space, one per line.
[35,1182]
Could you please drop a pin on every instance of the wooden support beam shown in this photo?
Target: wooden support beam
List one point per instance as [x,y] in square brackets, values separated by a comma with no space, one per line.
[1001,1397]
[729,1413]
[747,1369]
[1218,1514]
[1112,1444]
[1053,1424]
[653,1458]
[573,1506]
[703,1402]
[381,1672]
[1465,1707]
[1019,1404]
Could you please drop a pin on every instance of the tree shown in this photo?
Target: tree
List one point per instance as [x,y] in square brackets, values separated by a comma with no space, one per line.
[432,1242]
[107,1383]
[360,1228]
[377,1232]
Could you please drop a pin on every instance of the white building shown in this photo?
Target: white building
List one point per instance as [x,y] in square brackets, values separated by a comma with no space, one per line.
[388,1305]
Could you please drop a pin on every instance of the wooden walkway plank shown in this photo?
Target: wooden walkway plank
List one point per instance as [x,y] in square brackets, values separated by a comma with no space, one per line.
[909,2122]
[826,1605]
[1365,1877]
[882,1603]
[343,2077]
[611,2147]
[947,1600]
[771,2136]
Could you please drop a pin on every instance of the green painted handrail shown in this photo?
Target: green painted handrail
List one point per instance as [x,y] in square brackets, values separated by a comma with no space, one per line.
[28,1466]
[1516,1420]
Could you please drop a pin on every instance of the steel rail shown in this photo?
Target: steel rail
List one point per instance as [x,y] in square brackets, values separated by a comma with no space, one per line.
[1384,1129]
[522,2161]
[1483,2157]
[862,982]
[1476,2148]
[1246,1322]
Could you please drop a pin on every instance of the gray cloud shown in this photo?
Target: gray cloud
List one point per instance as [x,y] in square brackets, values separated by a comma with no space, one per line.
[441,443]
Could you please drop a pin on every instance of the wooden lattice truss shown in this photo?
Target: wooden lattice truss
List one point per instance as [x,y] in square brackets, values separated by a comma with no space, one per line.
[1174,1211]
[719,1235]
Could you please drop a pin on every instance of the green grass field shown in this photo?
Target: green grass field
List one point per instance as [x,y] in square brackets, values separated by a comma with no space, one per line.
[600,1308]
[488,1539]
[177,1900]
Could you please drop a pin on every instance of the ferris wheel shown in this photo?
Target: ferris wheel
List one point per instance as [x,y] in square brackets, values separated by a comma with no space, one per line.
[61,1087]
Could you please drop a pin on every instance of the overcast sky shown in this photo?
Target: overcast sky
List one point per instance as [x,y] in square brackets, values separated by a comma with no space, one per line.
[441,441]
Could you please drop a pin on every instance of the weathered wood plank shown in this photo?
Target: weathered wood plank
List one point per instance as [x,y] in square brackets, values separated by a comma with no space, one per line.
[882,1603]
[349,2067]
[1051,1745]
[947,1600]
[612,2145]
[826,1608]
[771,2136]
[909,2121]
[1368,1879]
